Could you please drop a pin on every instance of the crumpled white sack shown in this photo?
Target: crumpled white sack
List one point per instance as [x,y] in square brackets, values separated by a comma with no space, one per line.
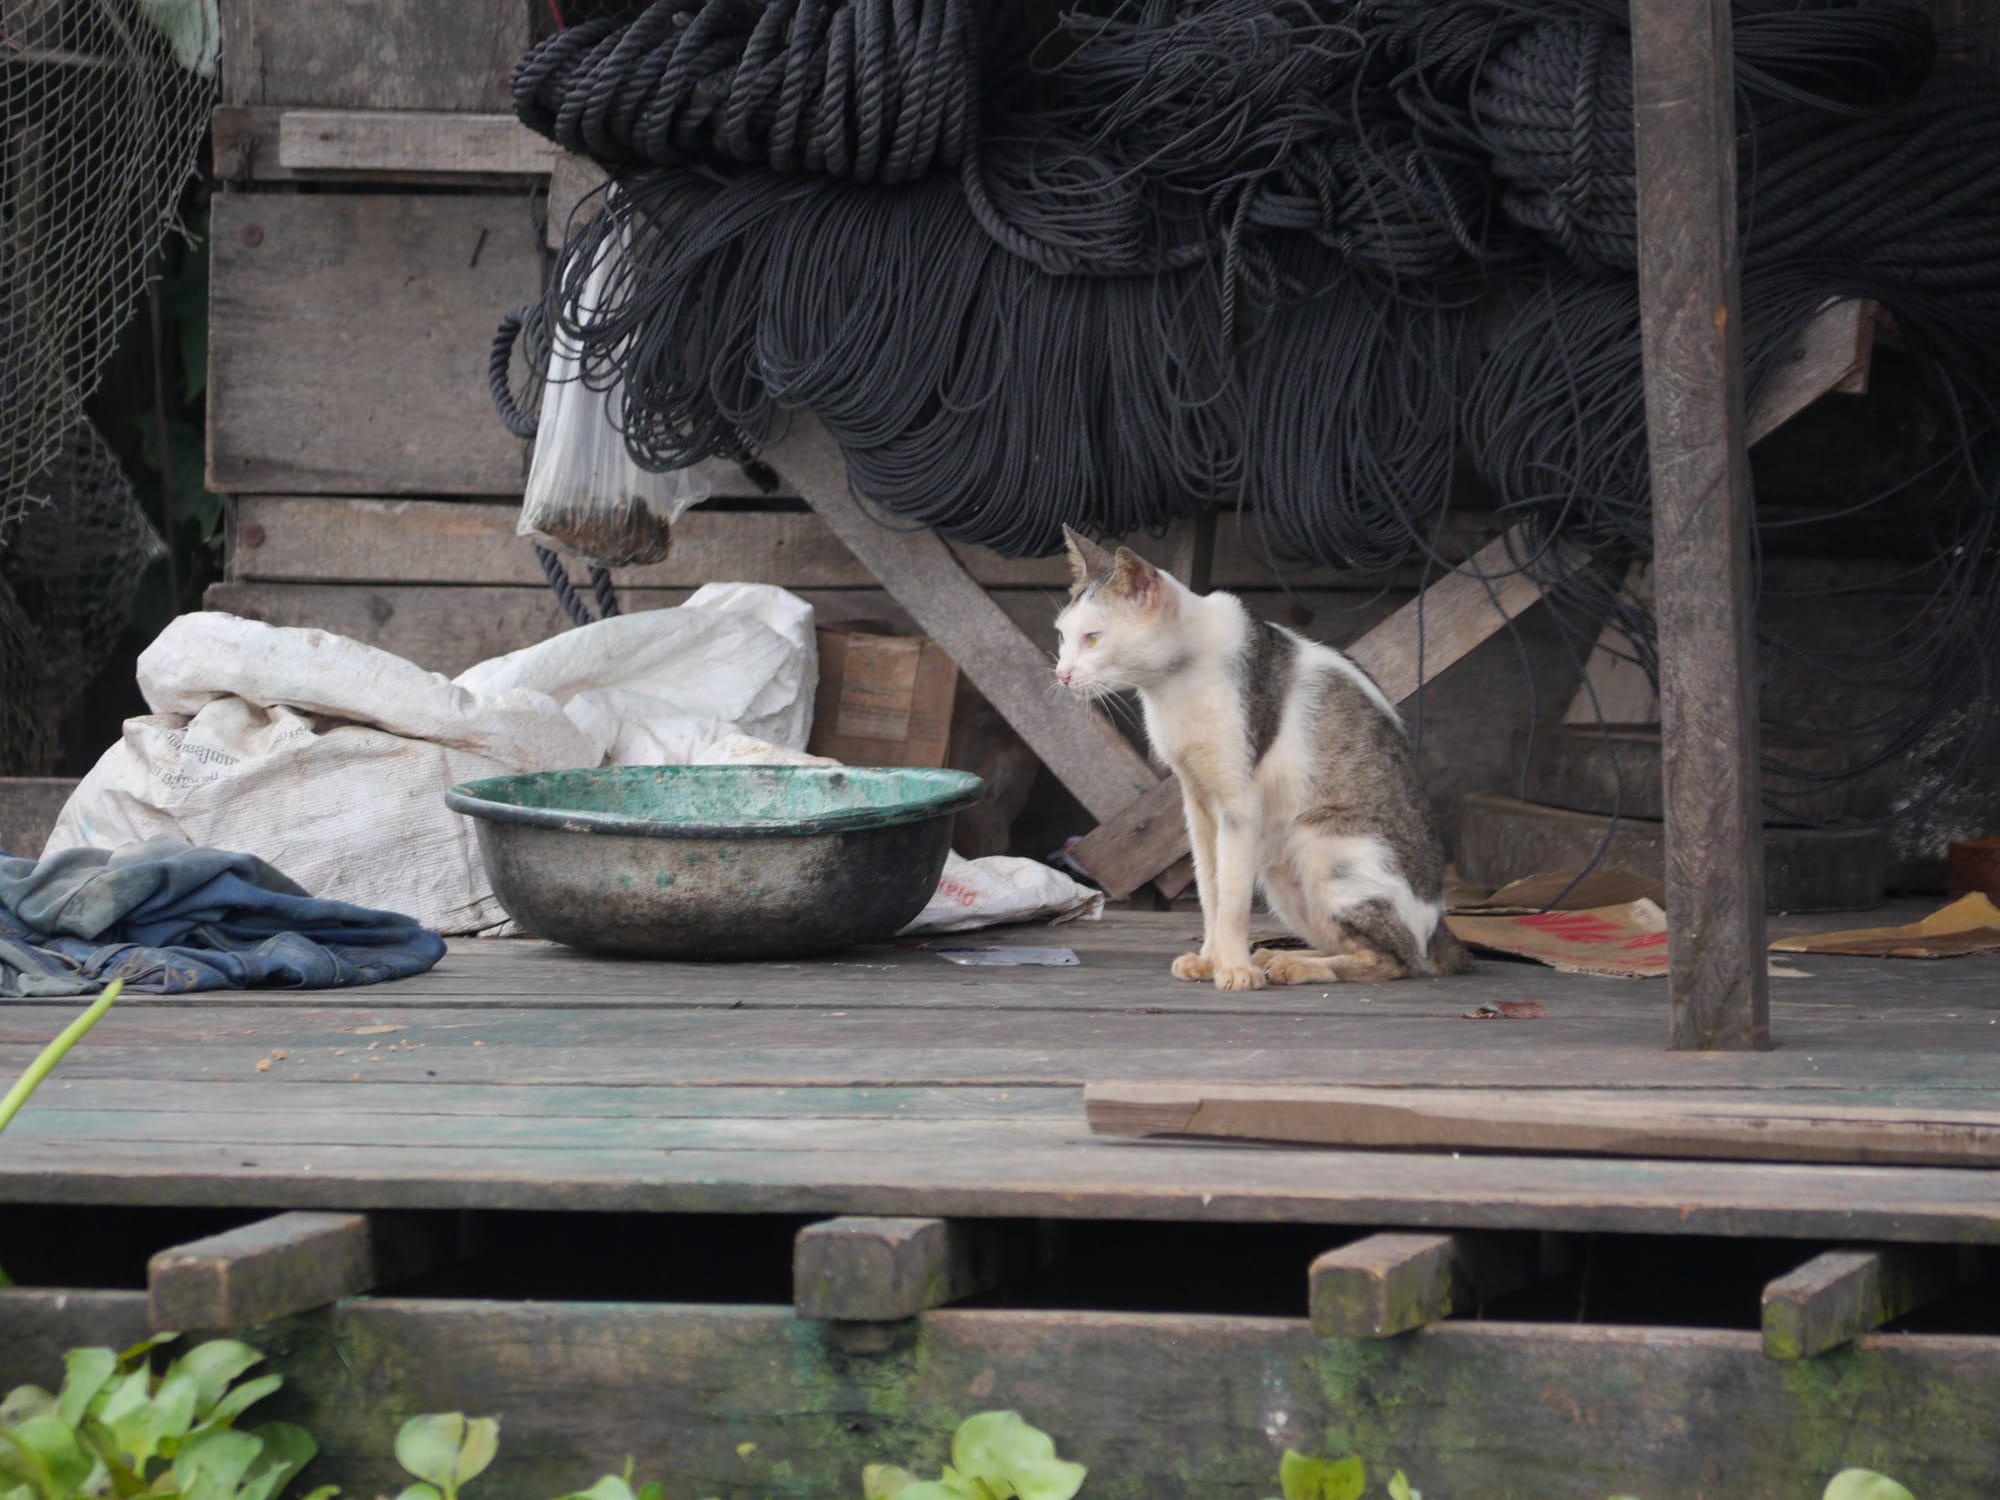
[330,759]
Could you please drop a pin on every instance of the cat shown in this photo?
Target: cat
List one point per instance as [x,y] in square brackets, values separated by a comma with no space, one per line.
[1296,776]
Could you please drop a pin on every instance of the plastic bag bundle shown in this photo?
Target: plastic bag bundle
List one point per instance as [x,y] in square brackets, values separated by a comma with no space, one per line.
[585,494]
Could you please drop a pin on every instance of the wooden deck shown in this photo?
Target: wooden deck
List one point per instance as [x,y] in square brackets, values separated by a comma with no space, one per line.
[521,1075]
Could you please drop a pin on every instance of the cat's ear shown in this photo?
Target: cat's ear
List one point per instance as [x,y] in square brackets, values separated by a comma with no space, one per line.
[1135,578]
[1086,560]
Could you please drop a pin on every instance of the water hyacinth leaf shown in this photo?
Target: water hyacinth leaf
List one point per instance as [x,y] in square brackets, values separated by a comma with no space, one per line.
[240,1399]
[482,1443]
[324,1492]
[133,1419]
[885,1481]
[1303,1478]
[43,1443]
[212,1366]
[419,1492]
[1001,1451]
[1399,1488]
[428,1448]
[26,1401]
[1864,1484]
[283,1450]
[175,1403]
[132,1358]
[211,1465]
[87,1372]
[610,1487]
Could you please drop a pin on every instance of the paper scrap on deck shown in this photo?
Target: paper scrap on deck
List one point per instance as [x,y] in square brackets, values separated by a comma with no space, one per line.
[1970,924]
[1627,941]
[1561,890]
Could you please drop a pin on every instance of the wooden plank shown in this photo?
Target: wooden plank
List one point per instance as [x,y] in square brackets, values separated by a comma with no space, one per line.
[725,1400]
[287,1264]
[1451,619]
[876,1270]
[1579,1123]
[348,341]
[329,539]
[1502,839]
[29,807]
[376,141]
[1832,353]
[245,141]
[1684,115]
[1839,1295]
[372,54]
[1078,744]
[1388,1284]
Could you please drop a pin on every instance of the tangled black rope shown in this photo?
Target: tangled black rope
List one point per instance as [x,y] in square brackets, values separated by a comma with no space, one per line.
[1176,252]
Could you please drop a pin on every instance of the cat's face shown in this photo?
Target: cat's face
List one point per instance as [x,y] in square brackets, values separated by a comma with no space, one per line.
[1118,630]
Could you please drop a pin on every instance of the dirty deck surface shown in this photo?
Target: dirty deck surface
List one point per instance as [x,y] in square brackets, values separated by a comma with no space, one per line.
[887,1080]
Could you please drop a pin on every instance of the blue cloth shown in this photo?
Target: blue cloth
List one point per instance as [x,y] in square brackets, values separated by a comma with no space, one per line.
[167,917]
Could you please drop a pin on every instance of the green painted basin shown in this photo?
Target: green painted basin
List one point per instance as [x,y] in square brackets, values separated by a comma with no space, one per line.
[715,861]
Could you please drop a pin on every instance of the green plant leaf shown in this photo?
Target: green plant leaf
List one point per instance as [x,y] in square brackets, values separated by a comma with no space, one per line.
[1864,1484]
[132,1358]
[175,1404]
[50,1457]
[419,1492]
[211,1465]
[26,1401]
[885,1481]
[191,27]
[129,1415]
[324,1492]
[1399,1488]
[239,1399]
[1001,1451]
[211,1367]
[87,1371]
[1303,1478]
[445,1450]
[610,1487]
[283,1450]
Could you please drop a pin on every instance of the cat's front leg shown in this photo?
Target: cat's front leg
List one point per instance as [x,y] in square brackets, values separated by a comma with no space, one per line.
[1236,831]
[1201,840]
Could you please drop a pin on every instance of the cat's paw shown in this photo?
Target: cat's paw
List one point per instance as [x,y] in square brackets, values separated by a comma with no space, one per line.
[1238,977]
[1193,966]
[1298,968]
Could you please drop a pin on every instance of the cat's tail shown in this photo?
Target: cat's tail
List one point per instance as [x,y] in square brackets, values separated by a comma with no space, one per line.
[1446,954]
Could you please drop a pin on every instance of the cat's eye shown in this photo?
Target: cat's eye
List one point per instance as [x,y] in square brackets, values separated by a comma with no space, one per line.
[1091,639]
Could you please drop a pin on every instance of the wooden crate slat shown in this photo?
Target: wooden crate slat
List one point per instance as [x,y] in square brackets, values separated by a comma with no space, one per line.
[348,341]
[1839,1295]
[372,54]
[380,140]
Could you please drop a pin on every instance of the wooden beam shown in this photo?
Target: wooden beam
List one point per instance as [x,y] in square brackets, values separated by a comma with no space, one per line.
[1082,747]
[379,140]
[1837,1296]
[1388,1284]
[1565,1122]
[279,1266]
[1685,133]
[1451,619]
[871,1270]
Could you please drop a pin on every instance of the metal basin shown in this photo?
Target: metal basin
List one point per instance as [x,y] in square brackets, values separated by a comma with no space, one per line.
[715,861]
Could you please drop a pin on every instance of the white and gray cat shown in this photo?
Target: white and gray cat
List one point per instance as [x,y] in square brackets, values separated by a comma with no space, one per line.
[1296,775]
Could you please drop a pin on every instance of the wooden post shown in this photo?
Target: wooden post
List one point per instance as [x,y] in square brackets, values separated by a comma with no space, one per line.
[1388,1284]
[1684,120]
[876,1270]
[289,1263]
[1837,1296]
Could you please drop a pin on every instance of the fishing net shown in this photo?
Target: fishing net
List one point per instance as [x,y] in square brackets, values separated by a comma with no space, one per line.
[103,106]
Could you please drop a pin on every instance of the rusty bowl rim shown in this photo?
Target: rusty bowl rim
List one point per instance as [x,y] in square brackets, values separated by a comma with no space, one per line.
[957,790]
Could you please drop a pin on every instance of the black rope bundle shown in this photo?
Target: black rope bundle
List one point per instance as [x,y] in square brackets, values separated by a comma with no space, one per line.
[1173,252]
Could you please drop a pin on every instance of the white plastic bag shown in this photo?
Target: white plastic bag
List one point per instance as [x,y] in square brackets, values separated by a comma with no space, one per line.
[585,493]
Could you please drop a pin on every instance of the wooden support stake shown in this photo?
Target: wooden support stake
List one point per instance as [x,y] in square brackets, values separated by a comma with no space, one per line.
[1685,132]
[1388,1284]
[870,1270]
[1077,743]
[1840,1295]
[287,1264]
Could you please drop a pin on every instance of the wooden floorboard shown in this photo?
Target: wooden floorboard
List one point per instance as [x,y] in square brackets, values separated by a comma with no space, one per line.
[521,1075]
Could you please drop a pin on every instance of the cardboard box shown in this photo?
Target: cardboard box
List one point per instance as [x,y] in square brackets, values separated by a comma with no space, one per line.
[884,700]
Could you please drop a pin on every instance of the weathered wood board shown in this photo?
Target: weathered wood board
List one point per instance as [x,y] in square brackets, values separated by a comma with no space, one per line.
[1501,839]
[1581,1122]
[348,341]
[522,1075]
[376,141]
[751,1400]
[372,54]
